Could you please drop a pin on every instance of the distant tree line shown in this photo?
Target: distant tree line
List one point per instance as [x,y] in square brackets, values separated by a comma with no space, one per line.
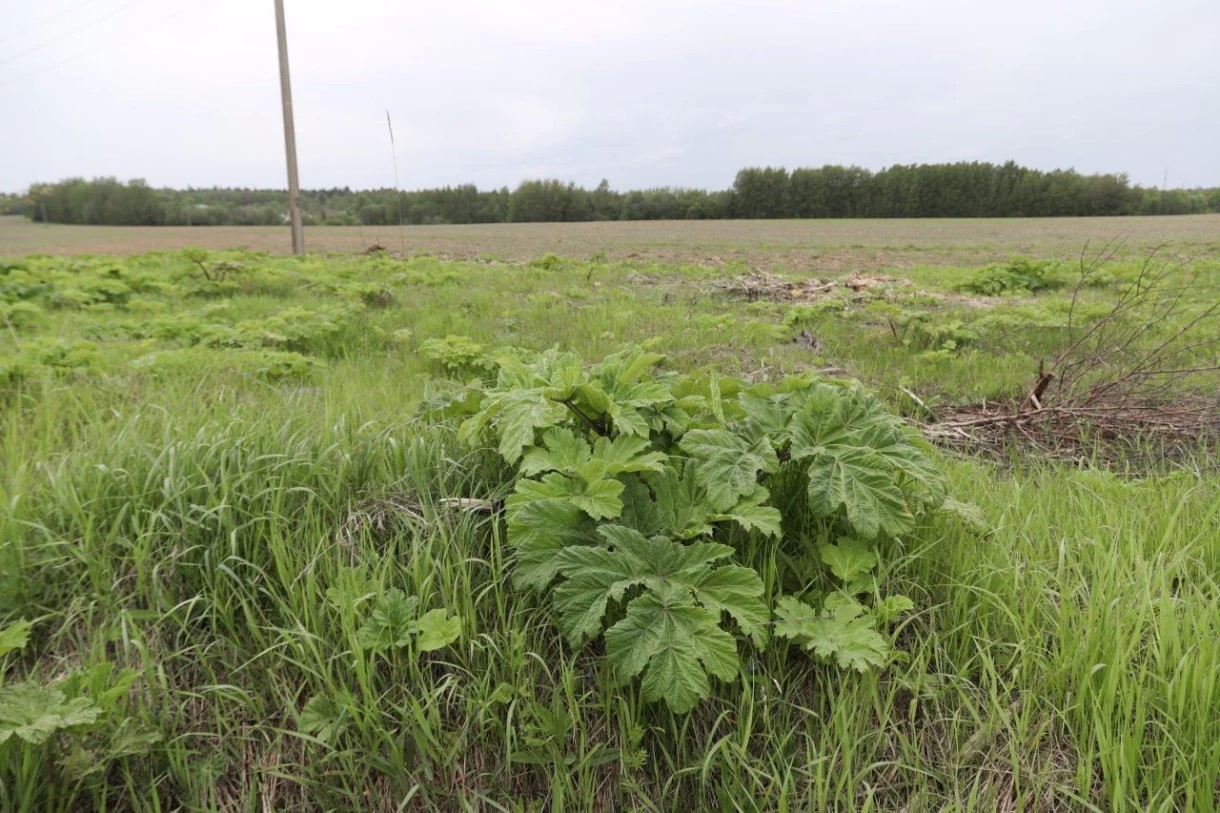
[11,204]
[917,190]
[953,190]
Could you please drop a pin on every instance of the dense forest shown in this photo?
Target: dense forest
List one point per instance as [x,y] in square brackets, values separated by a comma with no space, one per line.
[918,190]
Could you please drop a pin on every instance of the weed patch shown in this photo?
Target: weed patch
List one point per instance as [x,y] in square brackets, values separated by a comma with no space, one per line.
[259,499]
[1020,275]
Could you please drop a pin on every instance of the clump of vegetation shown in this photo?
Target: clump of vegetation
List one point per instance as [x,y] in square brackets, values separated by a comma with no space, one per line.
[270,365]
[628,481]
[428,272]
[808,315]
[923,330]
[212,270]
[300,330]
[21,315]
[548,262]
[49,357]
[458,355]
[1140,370]
[391,624]
[90,293]
[1020,275]
[77,720]
[714,322]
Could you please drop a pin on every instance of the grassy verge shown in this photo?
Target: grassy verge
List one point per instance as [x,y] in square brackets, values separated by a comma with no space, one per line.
[178,500]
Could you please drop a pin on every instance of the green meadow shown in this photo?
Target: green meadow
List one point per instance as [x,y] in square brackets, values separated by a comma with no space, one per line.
[221,470]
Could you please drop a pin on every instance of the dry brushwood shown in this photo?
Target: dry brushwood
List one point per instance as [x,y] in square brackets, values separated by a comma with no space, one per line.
[760,285]
[1146,371]
[471,505]
[862,282]
[382,517]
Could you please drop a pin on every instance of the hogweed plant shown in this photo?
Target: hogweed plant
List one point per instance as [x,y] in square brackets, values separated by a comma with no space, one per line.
[628,481]
[76,724]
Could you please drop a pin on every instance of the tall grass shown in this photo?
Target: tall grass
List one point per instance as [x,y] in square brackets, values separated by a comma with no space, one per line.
[189,527]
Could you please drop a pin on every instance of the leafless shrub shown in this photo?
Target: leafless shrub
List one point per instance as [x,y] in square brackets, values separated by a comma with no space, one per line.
[1147,371]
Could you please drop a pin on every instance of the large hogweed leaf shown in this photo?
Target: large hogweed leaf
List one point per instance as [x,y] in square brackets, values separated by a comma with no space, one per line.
[565,452]
[437,629]
[546,515]
[910,458]
[595,576]
[857,481]
[615,396]
[675,504]
[540,524]
[674,596]
[516,414]
[769,410]
[752,513]
[843,631]
[596,496]
[727,465]
[350,588]
[519,404]
[676,643]
[393,624]
[35,713]
[889,608]
[703,402]
[624,390]
[323,717]
[14,637]
[849,558]
[737,591]
[864,464]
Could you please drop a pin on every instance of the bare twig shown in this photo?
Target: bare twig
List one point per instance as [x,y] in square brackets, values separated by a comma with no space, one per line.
[1144,368]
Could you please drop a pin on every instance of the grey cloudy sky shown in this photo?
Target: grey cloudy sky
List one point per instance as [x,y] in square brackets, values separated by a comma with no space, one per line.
[641,92]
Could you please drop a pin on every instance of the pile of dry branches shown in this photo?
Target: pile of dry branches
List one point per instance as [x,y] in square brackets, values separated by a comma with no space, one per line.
[1146,375]
[761,285]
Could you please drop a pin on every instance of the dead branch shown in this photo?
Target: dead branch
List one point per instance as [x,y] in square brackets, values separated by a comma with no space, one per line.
[761,285]
[1142,370]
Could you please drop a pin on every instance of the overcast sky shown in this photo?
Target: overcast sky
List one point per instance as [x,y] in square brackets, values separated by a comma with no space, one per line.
[648,93]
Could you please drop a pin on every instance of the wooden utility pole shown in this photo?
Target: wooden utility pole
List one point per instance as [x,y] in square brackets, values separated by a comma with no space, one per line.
[290,136]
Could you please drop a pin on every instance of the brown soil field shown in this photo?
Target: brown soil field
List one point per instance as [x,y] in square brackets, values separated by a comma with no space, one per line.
[806,245]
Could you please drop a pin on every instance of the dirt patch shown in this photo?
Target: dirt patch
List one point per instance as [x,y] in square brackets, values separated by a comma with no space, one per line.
[818,247]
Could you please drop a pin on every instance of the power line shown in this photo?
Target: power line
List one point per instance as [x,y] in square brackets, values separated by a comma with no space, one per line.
[72,31]
[10,80]
[61,13]
[79,54]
